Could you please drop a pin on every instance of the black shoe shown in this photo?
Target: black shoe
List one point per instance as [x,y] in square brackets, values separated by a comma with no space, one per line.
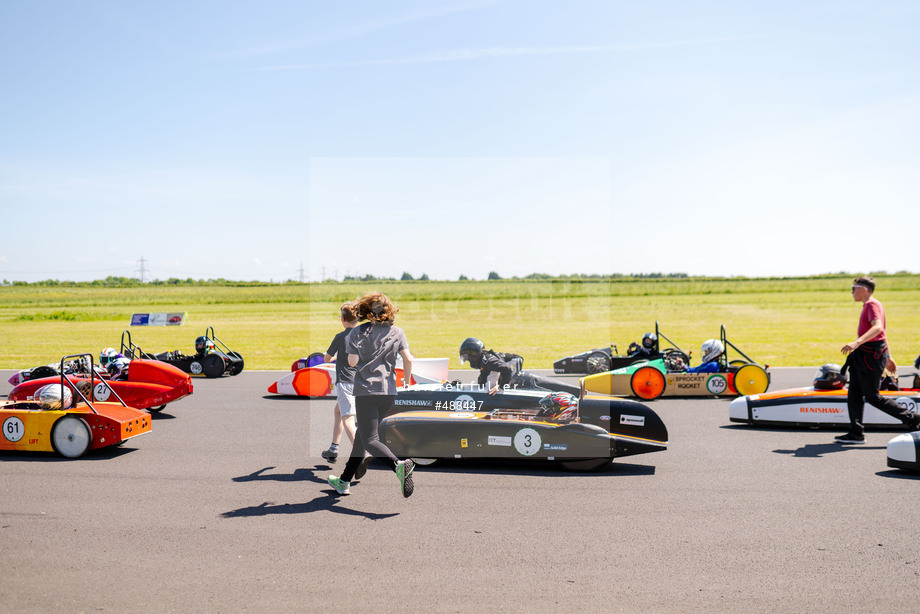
[850,438]
[329,455]
[362,468]
[913,423]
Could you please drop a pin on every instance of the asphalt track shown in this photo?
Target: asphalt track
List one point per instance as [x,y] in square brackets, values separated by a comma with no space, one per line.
[224,508]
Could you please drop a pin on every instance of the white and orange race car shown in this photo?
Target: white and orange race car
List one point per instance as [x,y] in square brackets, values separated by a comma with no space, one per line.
[311,377]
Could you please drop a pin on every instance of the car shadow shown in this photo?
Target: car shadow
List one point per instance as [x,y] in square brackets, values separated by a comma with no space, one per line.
[818,450]
[899,474]
[290,397]
[547,469]
[53,457]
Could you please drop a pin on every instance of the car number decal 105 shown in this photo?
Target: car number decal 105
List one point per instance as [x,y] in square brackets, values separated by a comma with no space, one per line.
[13,429]
[527,441]
[716,384]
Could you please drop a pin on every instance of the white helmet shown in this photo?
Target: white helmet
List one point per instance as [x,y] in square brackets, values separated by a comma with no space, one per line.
[106,355]
[711,349]
[50,396]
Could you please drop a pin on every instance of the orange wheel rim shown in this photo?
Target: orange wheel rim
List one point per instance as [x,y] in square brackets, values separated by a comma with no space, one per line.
[648,383]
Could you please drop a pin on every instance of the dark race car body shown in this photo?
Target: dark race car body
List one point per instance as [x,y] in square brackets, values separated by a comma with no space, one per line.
[213,363]
[600,360]
[509,426]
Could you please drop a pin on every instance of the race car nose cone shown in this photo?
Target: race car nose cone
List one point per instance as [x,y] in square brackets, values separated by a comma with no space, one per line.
[738,410]
[904,451]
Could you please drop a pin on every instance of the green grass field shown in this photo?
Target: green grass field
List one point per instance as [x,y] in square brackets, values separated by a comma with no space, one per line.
[780,322]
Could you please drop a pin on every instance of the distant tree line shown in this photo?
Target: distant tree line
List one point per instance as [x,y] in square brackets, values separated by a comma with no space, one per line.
[122,282]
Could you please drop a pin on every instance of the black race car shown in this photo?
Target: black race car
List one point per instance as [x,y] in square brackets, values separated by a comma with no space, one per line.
[209,360]
[442,422]
[600,360]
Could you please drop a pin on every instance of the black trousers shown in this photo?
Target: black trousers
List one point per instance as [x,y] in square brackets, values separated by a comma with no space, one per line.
[866,365]
[369,411]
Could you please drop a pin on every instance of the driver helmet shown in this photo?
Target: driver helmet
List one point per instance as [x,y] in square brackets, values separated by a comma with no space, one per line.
[829,377]
[471,352]
[559,406]
[118,367]
[54,396]
[711,350]
[203,345]
[107,355]
[649,341]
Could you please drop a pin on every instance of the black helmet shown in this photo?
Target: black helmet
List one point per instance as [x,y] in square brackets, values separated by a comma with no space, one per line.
[649,341]
[829,377]
[471,352]
[203,345]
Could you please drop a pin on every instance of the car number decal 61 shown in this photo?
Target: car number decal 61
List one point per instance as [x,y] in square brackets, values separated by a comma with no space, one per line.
[716,384]
[527,442]
[13,429]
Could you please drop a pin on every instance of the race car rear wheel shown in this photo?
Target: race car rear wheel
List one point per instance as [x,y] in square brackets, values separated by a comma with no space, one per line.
[236,366]
[751,379]
[156,410]
[647,383]
[70,437]
[597,362]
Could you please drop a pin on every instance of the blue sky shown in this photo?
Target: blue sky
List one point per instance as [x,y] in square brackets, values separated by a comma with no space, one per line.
[245,140]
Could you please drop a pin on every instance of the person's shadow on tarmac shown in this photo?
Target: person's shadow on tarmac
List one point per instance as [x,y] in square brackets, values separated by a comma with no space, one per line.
[327,502]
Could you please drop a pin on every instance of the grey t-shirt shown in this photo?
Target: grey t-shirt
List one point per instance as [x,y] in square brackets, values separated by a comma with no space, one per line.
[377,346]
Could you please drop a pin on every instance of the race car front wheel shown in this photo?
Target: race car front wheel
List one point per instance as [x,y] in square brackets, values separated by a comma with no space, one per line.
[70,437]
[647,383]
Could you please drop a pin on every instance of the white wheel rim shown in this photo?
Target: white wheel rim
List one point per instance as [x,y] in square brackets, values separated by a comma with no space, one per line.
[71,437]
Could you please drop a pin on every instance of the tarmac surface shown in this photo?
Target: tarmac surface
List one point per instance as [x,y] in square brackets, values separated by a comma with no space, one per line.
[224,507]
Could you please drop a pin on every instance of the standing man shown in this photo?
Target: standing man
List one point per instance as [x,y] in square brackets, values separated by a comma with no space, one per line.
[867,358]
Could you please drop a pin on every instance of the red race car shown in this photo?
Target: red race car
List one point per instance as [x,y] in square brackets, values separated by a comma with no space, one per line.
[144,384]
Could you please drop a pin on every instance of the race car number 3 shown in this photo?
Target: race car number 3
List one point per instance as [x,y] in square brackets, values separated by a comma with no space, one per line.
[527,442]
[13,429]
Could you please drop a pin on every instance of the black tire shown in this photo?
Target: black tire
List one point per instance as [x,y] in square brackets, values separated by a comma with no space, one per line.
[597,362]
[71,437]
[43,371]
[917,363]
[212,365]
[156,410]
[236,366]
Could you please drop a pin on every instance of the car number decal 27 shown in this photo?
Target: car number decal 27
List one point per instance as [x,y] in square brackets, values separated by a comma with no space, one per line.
[717,384]
[527,442]
[13,429]
[101,392]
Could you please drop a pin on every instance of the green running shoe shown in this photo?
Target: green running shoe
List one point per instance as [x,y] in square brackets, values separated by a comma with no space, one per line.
[339,486]
[404,473]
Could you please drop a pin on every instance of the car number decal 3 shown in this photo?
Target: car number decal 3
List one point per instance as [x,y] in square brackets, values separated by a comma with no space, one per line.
[527,442]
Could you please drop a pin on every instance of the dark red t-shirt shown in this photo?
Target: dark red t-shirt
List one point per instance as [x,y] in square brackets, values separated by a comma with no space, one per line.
[872,310]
